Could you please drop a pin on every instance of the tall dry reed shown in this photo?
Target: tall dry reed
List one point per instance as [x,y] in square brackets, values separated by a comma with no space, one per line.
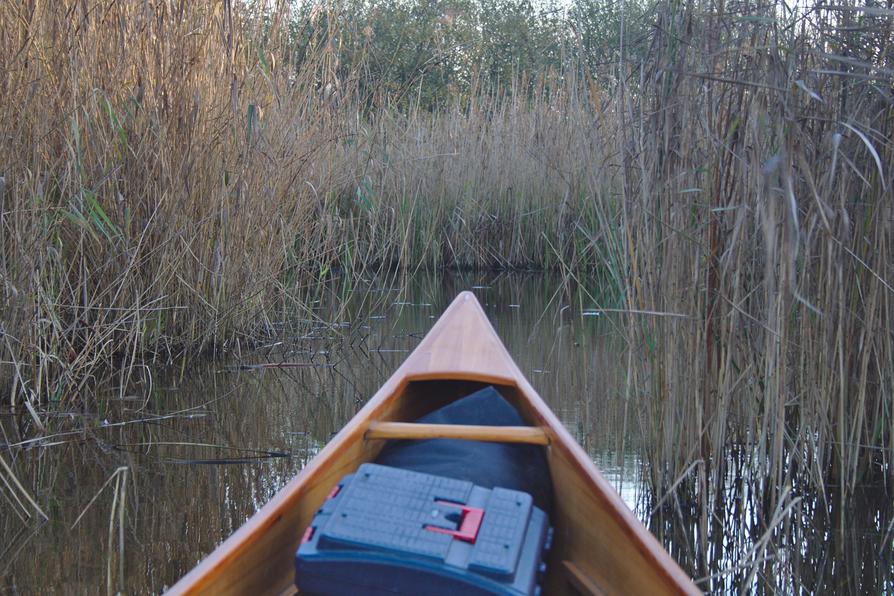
[175,173]
[156,159]
[758,162]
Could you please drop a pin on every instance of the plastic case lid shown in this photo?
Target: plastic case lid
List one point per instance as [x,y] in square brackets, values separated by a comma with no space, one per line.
[387,526]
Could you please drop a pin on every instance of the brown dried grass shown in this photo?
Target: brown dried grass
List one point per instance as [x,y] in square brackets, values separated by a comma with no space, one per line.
[175,175]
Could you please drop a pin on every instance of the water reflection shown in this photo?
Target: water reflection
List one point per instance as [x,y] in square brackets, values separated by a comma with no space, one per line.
[203,450]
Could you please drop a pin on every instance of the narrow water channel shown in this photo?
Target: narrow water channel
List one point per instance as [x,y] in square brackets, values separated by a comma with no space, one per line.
[176,463]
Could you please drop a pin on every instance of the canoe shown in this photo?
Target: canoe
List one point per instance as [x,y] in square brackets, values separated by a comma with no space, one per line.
[599,546]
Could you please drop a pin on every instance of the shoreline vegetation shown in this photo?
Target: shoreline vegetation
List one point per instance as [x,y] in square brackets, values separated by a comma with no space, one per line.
[176,176]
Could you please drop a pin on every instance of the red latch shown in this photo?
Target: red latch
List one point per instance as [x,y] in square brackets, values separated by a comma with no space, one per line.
[470,522]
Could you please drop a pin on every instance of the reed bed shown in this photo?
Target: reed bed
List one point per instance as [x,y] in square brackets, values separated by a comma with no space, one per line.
[757,173]
[176,175]
[499,181]
[759,207]
[156,162]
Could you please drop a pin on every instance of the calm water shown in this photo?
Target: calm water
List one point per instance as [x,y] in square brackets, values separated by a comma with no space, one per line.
[181,459]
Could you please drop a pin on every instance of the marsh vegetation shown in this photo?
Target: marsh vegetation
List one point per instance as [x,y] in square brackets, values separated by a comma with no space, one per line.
[178,179]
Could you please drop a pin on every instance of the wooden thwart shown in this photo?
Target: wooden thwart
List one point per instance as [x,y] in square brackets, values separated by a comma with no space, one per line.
[533,435]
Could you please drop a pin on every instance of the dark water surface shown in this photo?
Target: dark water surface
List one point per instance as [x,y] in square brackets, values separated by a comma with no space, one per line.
[178,462]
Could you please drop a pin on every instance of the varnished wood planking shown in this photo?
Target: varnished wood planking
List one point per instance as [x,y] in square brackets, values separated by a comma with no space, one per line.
[595,531]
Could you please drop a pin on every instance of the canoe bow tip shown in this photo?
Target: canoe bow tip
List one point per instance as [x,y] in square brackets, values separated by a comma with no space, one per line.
[462,345]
